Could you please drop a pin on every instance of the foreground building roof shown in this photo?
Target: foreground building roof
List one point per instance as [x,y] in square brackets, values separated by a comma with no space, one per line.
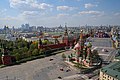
[112,69]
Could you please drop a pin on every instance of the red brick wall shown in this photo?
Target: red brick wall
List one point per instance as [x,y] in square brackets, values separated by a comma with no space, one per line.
[53,46]
[6,60]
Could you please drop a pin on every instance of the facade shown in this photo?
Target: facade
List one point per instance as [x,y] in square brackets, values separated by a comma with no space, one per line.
[30,39]
[110,72]
[115,35]
[83,51]
[10,37]
[83,54]
[10,34]
[7,59]
[117,43]
[68,38]
[67,41]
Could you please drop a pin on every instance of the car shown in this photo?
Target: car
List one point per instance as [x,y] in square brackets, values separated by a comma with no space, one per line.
[51,59]
[59,77]
[61,69]
[104,50]
[68,70]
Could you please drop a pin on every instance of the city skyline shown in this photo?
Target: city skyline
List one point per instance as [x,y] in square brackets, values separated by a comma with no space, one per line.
[52,13]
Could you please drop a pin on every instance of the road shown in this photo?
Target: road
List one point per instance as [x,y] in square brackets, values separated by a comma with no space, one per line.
[40,69]
[101,42]
[104,43]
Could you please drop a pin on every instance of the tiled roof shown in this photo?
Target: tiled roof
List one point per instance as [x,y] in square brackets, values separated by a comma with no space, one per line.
[112,69]
[77,46]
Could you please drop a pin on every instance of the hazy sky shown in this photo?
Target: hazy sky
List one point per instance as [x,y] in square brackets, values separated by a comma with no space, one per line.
[52,13]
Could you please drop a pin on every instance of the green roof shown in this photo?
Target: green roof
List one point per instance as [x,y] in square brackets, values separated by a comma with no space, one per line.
[118,57]
[112,69]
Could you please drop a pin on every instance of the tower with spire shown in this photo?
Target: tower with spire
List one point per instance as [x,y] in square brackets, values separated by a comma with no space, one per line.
[66,30]
[65,37]
[40,35]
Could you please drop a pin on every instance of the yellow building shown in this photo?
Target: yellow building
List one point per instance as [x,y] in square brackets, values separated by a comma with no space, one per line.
[117,43]
[110,72]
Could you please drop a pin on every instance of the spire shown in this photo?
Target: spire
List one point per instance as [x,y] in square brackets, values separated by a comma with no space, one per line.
[66,32]
[81,40]
[40,41]
[81,34]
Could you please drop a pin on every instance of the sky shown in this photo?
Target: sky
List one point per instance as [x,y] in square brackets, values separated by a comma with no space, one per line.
[52,13]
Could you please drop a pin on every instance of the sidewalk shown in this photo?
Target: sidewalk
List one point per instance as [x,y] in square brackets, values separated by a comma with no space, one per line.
[84,76]
[75,77]
[77,70]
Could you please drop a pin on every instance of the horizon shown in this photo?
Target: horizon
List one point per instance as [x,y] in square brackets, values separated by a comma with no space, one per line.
[52,13]
[80,26]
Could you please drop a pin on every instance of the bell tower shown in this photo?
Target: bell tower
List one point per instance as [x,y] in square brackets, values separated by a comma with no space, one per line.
[65,37]
[66,31]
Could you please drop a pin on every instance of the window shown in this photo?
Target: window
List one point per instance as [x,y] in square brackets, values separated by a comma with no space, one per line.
[110,77]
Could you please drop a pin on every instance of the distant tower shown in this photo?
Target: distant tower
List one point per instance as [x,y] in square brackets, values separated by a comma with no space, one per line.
[13,30]
[65,37]
[66,31]
[39,37]
[39,43]
[81,41]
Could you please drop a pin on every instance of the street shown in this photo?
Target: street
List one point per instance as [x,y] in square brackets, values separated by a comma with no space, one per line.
[39,69]
[101,42]
[104,47]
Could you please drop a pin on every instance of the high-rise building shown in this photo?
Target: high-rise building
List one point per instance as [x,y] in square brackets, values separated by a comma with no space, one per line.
[25,27]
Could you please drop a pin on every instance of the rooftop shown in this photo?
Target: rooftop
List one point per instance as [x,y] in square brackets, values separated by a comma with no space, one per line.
[112,69]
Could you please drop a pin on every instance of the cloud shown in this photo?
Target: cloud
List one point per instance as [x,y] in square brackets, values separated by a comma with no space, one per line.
[29,13]
[117,14]
[95,13]
[89,5]
[62,15]
[26,5]
[73,0]
[3,12]
[8,18]
[65,8]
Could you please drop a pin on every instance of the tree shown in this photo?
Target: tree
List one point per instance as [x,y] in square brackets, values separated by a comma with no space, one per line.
[41,51]
[118,51]
[18,56]
[15,51]
[35,52]
[25,49]
[95,55]
[29,53]
[24,52]
[63,56]
[32,47]
[9,44]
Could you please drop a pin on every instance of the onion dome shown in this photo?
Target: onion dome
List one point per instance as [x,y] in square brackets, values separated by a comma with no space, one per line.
[77,46]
